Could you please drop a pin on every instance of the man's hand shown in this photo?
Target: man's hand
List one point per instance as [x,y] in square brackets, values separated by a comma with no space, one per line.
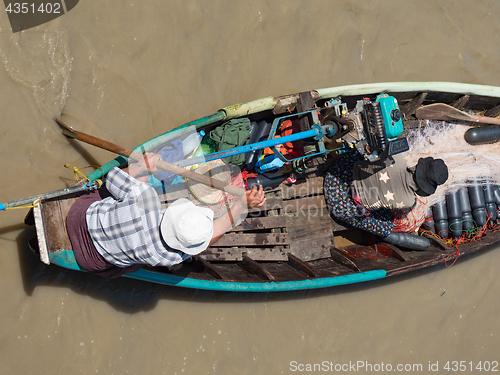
[255,197]
[148,162]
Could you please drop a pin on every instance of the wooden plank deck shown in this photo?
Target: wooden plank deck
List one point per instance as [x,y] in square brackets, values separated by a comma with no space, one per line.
[294,221]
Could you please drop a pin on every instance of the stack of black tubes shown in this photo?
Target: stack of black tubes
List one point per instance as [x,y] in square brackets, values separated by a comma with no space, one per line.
[465,210]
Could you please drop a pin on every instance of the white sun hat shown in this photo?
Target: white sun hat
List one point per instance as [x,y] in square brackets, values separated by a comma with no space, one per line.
[187,227]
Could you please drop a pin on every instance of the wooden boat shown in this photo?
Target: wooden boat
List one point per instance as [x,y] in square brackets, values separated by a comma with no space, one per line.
[291,243]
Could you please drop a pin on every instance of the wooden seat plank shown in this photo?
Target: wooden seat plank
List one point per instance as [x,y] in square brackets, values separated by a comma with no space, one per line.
[396,253]
[209,268]
[311,186]
[493,112]
[304,225]
[272,203]
[340,258]
[310,232]
[54,218]
[327,267]
[460,102]
[277,253]
[304,103]
[252,239]
[283,271]
[311,249]
[265,222]
[409,109]
[250,265]
[436,241]
[300,265]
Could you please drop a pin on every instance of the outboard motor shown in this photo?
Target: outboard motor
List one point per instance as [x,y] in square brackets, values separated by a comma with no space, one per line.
[376,128]
[383,125]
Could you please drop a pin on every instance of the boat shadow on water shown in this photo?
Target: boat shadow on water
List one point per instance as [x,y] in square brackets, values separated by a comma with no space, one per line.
[132,296]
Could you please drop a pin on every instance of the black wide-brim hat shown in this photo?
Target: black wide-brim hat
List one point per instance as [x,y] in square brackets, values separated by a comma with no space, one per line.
[430,173]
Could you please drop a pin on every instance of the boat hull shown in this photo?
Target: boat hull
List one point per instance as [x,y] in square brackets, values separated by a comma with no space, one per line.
[289,267]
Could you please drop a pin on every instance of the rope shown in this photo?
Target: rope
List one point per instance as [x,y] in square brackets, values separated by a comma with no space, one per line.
[456,253]
[245,175]
[410,219]
[479,118]
[79,175]
[472,235]
[76,172]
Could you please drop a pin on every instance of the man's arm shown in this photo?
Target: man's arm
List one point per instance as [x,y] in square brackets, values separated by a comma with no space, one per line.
[251,198]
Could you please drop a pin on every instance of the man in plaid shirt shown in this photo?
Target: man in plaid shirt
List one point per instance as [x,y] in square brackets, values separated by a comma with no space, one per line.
[123,227]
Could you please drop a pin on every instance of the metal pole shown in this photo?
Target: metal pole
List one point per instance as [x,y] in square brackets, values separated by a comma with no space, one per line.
[30,200]
[248,148]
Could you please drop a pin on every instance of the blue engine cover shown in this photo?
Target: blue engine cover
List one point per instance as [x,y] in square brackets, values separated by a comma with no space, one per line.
[391,115]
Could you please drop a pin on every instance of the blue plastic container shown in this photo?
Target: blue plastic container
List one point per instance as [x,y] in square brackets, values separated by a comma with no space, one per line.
[268,163]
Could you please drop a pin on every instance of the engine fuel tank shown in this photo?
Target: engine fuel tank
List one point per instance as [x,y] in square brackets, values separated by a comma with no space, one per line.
[391,115]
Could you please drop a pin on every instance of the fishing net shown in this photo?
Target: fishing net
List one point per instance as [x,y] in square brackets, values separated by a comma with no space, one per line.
[467,164]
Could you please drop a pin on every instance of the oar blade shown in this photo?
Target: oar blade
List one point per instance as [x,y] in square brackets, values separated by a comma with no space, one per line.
[445,112]
[442,112]
[66,130]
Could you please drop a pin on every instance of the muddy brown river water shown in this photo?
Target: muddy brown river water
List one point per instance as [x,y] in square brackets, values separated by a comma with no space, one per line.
[129,70]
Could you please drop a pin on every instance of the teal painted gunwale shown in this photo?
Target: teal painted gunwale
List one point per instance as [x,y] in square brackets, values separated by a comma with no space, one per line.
[66,259]
[268,103]
[282,286]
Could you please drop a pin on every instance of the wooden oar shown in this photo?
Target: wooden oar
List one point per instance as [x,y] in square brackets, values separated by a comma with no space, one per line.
[221,185]
[444,112]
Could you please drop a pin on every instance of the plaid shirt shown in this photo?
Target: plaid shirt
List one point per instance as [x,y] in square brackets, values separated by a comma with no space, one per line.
[125,228]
